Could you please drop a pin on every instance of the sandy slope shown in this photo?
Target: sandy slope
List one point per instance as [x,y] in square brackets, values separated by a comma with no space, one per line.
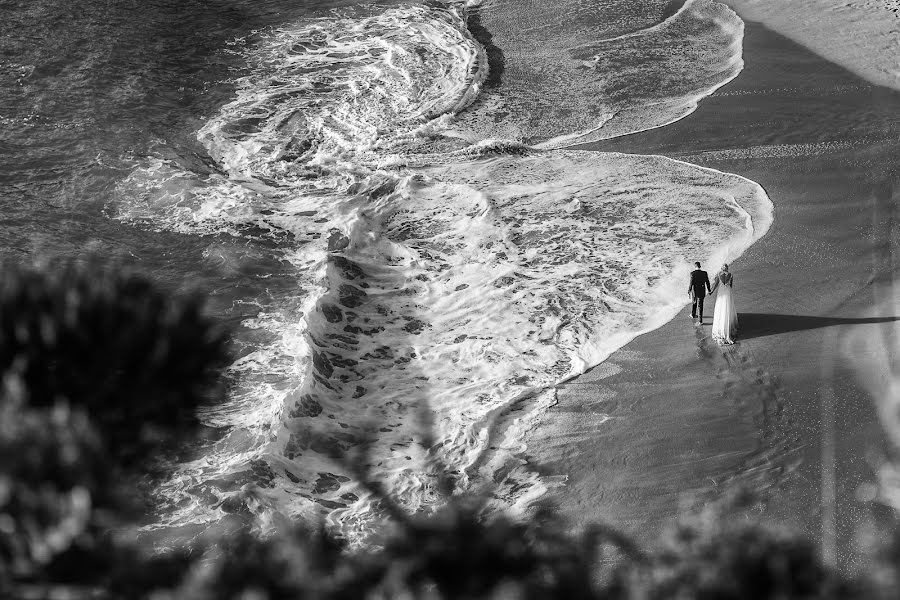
[863,36]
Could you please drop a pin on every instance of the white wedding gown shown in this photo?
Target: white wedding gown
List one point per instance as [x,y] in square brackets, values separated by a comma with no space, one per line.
[725,321]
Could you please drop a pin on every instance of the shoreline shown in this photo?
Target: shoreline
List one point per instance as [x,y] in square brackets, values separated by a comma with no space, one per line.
[672,418]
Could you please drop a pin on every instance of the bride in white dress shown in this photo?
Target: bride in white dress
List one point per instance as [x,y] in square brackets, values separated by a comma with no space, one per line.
[725,321]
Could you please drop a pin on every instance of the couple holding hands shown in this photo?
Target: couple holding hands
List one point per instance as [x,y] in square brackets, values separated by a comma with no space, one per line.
[725,321]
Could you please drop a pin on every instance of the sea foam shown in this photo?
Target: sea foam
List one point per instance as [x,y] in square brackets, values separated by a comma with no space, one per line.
[447,278]
[560,86]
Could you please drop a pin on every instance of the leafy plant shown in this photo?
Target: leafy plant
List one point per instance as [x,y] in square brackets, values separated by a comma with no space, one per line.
[105,339]
[99,365]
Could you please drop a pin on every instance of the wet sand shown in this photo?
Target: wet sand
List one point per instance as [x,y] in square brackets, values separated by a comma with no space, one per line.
[673,418]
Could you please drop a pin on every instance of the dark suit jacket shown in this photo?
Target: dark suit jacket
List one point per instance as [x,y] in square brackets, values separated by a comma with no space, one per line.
[699,283]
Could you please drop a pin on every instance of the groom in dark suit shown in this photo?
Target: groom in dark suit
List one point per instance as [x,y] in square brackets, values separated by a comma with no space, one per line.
[697,290]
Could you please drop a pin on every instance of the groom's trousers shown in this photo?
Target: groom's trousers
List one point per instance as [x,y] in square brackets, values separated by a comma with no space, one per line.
[697,304]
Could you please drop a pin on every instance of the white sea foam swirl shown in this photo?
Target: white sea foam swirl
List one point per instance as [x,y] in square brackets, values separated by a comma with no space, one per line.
[437,280]
[344,89]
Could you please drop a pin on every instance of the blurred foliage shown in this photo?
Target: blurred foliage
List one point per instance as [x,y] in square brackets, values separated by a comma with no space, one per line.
[722,552]
[98,365]
[105,339]
[56,495]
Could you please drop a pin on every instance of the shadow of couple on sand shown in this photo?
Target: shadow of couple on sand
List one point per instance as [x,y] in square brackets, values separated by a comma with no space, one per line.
[754,325]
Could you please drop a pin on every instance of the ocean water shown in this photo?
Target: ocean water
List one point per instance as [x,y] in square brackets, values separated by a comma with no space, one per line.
[378,200]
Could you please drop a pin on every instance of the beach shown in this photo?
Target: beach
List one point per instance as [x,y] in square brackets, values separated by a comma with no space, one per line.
[403,216]
[790,412]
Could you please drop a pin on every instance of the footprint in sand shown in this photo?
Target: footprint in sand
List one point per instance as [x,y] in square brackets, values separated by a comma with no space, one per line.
[748,386]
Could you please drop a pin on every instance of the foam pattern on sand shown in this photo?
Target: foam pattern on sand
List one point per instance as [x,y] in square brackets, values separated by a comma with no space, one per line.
[469,290]
[441,281]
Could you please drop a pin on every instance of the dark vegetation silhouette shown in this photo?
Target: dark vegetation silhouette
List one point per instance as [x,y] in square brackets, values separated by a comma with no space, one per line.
[105,341]
[100,368]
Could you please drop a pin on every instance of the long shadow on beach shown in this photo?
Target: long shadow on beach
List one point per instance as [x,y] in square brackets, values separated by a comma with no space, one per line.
[754,325]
